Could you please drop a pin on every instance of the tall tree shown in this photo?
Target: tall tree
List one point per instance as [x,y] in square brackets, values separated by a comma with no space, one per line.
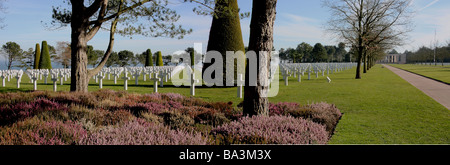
[12,53]
[144,17]
[331,50]
[340,52]
[45,61]
[113,60]
[305,49]
[319,53]
[294,55]
[94,55]
[140,58]
[365,24]
[125,57]
[27,59]
[63,53]
[261,42]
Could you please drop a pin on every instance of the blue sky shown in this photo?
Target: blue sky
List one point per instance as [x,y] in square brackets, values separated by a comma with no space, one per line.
[297,21]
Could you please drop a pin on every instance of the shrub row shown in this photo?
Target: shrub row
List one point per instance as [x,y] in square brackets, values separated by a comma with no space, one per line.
[271,130]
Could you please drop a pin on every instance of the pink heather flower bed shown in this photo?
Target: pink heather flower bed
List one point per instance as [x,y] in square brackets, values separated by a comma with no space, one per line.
[118,118]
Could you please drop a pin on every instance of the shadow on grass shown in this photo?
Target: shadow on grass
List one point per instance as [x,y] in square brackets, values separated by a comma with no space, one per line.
[6,90]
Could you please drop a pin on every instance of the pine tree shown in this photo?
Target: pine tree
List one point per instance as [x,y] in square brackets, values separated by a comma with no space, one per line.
[37,55]
[159,59]
[44,61]
[148,58]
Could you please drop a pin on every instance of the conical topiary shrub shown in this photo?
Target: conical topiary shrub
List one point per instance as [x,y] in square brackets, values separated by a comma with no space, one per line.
[192,58]
[44,61]
[159,59]
[225,34]
[148,58]
[37,55]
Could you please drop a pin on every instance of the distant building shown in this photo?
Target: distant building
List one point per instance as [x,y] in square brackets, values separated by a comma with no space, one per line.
[394,59]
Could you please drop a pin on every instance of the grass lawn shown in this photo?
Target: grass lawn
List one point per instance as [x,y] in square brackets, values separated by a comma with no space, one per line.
[441,73]
[381,108]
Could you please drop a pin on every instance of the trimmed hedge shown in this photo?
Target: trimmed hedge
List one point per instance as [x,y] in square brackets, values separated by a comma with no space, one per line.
[225,34]
[149,58]
[37,56]
[45,61]
[159,59]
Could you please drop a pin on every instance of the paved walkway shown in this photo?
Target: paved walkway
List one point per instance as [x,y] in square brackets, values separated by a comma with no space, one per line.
[436,90]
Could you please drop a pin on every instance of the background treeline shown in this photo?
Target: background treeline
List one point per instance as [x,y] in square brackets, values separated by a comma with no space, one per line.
[426,54]
[44,55]
[306,53]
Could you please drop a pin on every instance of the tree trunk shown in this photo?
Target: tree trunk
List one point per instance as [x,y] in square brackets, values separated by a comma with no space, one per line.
[358,66]
[365,62]
[261,39]
[79,75]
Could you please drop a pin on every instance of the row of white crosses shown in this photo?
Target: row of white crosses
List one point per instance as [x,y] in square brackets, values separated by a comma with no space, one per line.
[34,75]
[299,69]
[7,74]
[160,74]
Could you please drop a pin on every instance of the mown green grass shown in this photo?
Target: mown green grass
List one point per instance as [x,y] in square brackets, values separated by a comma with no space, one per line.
[439,72]
[381,108]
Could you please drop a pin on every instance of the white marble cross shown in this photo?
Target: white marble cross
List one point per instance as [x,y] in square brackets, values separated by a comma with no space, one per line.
[34,78]
[144,74]
[240,82]
[108,72]
[136,75]
[329,80]
[19,78]
[61,77]
[299,76]
[328,70]
[45,76]
[286,78]
[8,75]
[125,79]
[309,74]
[162,79]
[295,72]
[66,74]
[317,72]
[165,75]
[100,76]
[115,74]
[3,80]
[193,82]
[54,79]
[155,80]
